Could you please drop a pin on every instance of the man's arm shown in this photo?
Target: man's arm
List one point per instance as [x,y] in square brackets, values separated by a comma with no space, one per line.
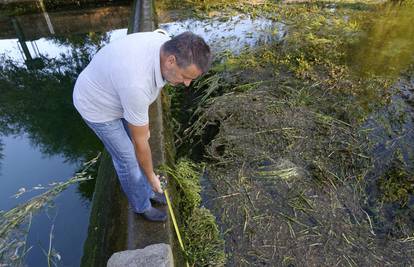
[140,136]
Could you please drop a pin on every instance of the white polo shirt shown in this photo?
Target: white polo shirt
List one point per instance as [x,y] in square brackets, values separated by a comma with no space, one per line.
[122,80]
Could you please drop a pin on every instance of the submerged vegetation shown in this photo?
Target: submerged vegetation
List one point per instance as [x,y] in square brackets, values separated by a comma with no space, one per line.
[306,144]
[15,223]
[202,241]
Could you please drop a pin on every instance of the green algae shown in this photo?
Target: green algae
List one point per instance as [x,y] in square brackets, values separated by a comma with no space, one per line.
[203,243]
[396,185]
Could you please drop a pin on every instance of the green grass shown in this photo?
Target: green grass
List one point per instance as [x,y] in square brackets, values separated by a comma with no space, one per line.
[203,243]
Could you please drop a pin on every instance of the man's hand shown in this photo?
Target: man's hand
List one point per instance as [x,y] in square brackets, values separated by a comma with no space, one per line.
[140,136]
[155,183]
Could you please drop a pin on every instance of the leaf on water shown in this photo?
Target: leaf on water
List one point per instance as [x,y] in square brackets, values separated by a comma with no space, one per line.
[20,192]
[57,255]
[38,187]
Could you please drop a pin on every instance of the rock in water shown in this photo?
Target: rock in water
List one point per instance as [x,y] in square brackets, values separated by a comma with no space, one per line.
[157,255]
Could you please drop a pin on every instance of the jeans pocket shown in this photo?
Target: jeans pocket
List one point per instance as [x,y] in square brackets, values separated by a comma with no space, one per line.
[105,127]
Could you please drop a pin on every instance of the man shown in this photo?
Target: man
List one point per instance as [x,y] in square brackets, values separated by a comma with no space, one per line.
[113,94]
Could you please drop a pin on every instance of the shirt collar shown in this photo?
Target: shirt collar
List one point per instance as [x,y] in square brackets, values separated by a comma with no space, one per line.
[159,80]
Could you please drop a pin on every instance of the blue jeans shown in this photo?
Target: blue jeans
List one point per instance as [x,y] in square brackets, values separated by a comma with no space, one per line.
[117,140]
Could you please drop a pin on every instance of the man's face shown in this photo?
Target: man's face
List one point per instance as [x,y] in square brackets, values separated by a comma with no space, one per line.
[176,75]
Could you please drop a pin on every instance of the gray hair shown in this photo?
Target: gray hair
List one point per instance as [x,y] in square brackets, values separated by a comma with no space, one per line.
[189,48]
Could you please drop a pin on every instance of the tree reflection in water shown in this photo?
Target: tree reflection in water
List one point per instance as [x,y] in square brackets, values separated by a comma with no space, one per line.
[38,101]
[387,45]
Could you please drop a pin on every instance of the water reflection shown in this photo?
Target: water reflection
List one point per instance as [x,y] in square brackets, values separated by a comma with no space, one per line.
[387,46]
[1,153]
[230,33]
[45,138]
[43,48]
[386,50]
[37,101]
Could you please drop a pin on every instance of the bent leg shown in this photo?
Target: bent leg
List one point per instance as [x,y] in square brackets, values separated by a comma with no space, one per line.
[133,181]
[148,187]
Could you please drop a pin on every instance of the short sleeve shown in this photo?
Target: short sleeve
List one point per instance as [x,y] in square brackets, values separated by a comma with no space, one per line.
[135,104]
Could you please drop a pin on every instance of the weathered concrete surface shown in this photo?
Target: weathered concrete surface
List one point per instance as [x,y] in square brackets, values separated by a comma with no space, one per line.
[157,255]
[107,232]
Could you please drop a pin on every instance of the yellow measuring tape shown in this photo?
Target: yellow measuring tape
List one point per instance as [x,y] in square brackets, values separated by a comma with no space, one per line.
[177,231]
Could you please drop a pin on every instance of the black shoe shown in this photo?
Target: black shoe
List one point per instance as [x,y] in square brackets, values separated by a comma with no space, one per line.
[159,198]
[155,215]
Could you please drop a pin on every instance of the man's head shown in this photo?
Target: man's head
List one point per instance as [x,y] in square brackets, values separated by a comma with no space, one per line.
[184,58]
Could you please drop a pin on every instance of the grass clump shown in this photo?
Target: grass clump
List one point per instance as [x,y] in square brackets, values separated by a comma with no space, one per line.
[203,243]
[187,179]
[396,185]
[206,246]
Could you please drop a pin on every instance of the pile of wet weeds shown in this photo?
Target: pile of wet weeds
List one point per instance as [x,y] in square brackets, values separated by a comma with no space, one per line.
[288,184]
[200,241]
[279,164]
[291,156]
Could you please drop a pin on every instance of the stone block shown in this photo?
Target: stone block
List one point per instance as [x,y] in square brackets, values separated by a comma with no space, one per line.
[157,255]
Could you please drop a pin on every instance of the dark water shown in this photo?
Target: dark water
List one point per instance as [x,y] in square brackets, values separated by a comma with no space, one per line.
[386,51]
[386,45]
[42,138]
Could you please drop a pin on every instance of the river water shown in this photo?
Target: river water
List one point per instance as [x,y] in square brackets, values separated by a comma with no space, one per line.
[386,50]
[42,138]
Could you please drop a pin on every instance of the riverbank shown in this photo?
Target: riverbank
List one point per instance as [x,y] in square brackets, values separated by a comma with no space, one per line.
[284,127]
